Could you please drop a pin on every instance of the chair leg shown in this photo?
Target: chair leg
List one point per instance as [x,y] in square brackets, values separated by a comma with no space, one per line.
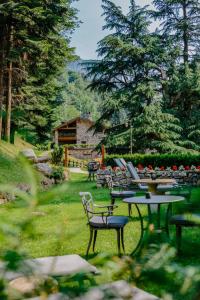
[90,241]
[122,239]
[178,238]
[112,201]
[118,241]
[94,240]
[129,209]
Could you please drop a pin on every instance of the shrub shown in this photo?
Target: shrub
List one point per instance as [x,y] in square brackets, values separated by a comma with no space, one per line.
[58,174]
[157,160]
[57,155]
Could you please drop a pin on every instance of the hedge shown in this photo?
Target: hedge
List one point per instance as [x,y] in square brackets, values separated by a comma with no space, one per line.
[156,160]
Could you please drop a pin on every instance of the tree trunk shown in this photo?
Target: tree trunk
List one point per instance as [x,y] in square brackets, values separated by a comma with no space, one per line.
[8,103]
[9,88]
[1,97]
[2,64]
[185,34]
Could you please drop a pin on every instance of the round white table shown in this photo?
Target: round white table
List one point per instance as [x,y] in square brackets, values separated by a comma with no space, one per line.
[155,199]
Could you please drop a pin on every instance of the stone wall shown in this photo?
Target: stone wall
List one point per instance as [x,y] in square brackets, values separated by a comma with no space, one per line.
[84,153]
[123,178]
[85,136]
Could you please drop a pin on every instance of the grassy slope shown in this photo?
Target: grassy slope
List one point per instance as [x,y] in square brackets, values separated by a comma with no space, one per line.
[13,150]
[11,170]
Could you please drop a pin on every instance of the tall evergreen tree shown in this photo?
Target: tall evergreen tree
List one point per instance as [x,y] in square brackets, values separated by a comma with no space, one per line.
[133,66]
[180,19]
[37,48]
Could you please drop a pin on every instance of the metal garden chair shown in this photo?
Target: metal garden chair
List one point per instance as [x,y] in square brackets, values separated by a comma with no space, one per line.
[118,194]
[188,217]
[102,220]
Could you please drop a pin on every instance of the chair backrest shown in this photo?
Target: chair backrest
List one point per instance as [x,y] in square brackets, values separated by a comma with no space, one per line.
[88,204]
[123,162]
[93,166]
[118,162]
[133,171]
[109,181]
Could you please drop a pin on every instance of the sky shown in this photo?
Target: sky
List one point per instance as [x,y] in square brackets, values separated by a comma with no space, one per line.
[86,37]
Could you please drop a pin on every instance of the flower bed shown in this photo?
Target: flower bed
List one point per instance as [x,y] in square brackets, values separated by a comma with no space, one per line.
[121,177]
[157,160]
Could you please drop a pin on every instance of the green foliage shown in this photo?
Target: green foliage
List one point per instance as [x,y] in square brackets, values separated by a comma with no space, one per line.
[157,265]
[39,52]
[157,160]
[6,175]
[180,21]
[76,100]
[58,174]
[144,80]
[57,155]
[22,233]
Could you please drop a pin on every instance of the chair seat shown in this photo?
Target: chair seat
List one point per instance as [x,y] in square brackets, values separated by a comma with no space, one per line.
[122,194]
[165,187]
[143,187]
[112,221]
[184,220]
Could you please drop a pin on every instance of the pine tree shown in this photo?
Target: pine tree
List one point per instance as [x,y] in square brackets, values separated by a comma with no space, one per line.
[180,19]
[37,48]
[133,71]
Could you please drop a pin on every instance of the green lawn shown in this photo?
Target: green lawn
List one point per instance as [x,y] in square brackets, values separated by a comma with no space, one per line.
[63,230]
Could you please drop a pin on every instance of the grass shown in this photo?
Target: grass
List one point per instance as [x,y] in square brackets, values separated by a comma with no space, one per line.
[62,228]
[11,168]
[13,150]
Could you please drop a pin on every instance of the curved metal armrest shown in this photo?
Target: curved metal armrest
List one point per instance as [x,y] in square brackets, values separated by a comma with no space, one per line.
[106,206]
[102,213]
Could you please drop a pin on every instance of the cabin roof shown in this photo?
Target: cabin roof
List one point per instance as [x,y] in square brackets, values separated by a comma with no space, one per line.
[72,121]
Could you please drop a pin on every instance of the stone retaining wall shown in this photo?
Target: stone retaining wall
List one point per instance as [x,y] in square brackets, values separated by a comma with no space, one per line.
[123,178]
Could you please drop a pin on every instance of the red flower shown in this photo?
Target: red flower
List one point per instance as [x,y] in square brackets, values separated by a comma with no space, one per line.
[162,168]
[174,168]
[187,168]
[140,167]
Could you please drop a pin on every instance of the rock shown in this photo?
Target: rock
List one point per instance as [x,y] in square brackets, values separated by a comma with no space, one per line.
[31,285]
[44,168]
[52,266]
[24,285]
[119,290]
[47,182]
[6,197]
[43,159]
[29,154]
[24,187]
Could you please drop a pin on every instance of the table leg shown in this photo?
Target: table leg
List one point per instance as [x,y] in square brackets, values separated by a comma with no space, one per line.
[158,214]
[152,187]
[142,231]
[168,213]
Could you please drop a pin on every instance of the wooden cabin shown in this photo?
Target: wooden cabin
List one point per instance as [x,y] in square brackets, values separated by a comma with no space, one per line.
[77,131]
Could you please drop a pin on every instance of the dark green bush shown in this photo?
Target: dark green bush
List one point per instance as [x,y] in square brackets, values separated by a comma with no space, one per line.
[58,174]
[57,155]
[157,160]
